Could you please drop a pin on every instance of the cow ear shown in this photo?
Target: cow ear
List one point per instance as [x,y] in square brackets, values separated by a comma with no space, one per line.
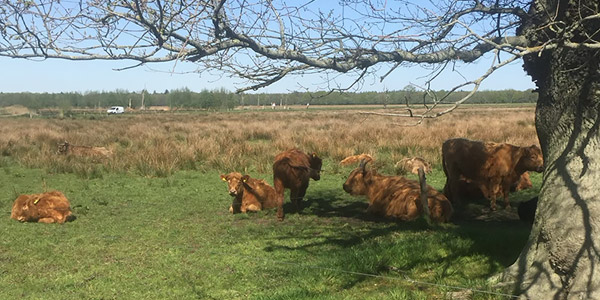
[245,178]
[223,177]
[314,154]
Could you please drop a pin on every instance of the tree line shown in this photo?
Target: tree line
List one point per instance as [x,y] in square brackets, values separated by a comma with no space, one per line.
[223,99]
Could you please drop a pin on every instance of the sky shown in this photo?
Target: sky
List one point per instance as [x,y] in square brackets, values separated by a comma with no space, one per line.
[55,76]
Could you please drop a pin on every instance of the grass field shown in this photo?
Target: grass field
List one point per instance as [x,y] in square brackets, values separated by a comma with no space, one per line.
[153,222]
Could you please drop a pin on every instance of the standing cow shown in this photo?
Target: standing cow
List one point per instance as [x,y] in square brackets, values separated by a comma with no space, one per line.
[396,196]
[49,207]
[249,194]
[492,167]
[292,170]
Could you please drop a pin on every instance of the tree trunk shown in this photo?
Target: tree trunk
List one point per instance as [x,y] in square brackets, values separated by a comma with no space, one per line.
[562,257]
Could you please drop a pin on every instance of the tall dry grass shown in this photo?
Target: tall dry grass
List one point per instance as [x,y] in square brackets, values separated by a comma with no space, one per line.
[158,145]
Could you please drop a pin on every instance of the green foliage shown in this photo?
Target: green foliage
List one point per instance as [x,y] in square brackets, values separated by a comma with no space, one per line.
[223,99]
[139,237]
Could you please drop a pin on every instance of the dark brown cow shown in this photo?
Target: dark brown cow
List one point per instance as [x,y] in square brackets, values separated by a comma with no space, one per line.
[467,189]
[249,194]
[292,170]
[49,207]
[66,148]
[492,167]
[396,196]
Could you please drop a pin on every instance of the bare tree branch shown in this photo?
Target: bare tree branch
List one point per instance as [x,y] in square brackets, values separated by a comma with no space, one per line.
[263,42]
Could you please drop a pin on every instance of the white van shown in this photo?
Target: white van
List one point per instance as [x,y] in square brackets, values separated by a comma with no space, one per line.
[116,110]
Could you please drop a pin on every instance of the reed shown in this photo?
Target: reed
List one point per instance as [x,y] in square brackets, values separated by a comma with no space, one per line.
[157,145]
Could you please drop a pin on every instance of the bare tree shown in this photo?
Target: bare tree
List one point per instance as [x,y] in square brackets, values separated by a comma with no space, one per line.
[262,42]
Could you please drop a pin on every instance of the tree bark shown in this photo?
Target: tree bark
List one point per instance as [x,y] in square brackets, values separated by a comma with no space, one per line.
[562,257]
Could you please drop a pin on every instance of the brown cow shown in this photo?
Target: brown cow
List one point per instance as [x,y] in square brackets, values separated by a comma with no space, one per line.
[412,165]
[523,183]
[467,189]
[353,159]
[49,207]
[249,194]
[396,196]
[492,167]
[293,169]
[66,148]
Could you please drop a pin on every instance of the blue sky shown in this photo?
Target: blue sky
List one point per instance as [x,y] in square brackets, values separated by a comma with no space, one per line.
[54,76]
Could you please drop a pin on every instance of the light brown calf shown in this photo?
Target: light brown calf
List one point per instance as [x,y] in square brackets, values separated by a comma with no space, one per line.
[396,196]
[353,159]
[50,207]
[412,165]
[66,148]
[249,194]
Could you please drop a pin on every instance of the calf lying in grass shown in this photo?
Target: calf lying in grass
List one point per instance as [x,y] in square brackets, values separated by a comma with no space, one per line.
[50,207]
[66,148]
[412,165]
[249,194]
[396,196]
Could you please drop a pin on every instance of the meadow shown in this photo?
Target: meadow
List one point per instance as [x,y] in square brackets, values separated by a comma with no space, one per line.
[153,221]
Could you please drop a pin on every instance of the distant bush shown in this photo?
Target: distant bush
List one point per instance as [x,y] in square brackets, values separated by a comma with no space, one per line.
[223,99]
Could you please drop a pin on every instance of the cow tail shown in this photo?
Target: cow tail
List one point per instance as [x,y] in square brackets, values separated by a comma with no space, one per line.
[424,202]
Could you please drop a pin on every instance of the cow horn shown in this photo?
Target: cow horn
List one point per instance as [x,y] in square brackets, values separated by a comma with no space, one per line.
[363,163]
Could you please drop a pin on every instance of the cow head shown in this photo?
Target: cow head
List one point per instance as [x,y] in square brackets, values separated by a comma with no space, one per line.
[235,183]
[358,180]
[63,148]
[532,159]
[315,166]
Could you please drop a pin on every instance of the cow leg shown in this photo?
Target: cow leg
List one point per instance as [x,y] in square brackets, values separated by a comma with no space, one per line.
[46,220]
[295,198]
[279,189]
[453,191]
[300,196]
[491,194]
[505,191]
[236,206]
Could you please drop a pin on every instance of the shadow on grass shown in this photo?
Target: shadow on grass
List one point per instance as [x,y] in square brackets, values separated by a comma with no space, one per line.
[493,241]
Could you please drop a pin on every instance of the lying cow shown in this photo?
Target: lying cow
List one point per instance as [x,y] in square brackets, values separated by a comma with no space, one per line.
[249,194]
[49,207]
[292,170]
[353,159]
[66,148]
[523,183]
[492,167]
[396,196]
[412,165]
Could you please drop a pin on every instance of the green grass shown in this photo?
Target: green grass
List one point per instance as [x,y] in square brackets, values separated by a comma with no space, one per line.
[172,238]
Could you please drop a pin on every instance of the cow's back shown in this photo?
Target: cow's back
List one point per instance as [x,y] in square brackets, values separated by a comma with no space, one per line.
[291,167]
[47,207]
[400,198]
[464,157]
[263,192]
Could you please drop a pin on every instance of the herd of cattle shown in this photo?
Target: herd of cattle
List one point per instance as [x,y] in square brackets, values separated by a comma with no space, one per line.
[472,169]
